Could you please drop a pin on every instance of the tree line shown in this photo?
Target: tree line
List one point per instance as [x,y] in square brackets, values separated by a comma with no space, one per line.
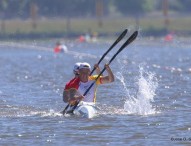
[91,8]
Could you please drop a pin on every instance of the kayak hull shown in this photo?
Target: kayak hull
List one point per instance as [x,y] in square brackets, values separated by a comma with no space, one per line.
[85,109]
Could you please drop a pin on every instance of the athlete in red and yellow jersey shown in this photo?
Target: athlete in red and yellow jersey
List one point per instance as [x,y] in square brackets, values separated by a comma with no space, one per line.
[81,84]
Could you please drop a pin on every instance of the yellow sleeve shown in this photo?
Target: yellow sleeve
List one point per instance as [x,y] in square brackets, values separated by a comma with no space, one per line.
[98,82]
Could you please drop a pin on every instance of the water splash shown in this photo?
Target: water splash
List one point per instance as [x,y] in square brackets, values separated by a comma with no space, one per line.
[26,111]
[50,113]
[120,76]
[141,102]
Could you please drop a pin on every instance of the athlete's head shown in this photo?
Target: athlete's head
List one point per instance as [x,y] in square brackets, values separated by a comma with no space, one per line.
[76,68]
[84,65]
[84,69]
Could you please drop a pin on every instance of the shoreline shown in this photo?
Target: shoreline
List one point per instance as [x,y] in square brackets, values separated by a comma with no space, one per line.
[61,35]
[74,27]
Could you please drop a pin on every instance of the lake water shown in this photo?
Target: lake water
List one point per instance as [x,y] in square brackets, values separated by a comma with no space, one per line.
[148,104]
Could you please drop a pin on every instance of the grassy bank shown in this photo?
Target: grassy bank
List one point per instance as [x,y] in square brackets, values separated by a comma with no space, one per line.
[63,28]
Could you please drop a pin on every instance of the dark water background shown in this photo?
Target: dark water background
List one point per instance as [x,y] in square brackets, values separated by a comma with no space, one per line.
[148,104]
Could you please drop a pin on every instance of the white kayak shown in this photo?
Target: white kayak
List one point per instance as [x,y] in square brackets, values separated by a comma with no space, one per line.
[86,109]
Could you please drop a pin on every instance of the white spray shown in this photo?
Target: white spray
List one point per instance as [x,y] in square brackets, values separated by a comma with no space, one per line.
[141,103]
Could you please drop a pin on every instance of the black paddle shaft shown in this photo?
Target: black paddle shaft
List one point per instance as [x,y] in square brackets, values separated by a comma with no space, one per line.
[112,46]
[130,40]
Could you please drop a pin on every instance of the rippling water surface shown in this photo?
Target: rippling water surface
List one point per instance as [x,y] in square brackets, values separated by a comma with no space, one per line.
[148,104]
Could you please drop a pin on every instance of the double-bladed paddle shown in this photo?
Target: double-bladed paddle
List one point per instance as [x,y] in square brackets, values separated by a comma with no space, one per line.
[130,40]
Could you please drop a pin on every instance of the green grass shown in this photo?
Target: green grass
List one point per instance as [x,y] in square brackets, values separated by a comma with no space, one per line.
[81,26]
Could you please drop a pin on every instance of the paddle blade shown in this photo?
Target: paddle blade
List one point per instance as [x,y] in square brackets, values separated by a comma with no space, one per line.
[112,46]
[133,37]
[130,40]
[121,36]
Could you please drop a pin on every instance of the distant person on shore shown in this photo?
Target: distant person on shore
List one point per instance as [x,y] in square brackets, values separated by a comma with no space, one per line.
[94,37]
[169,37]
[60,48]
[83,82]
[81,39]
[88,38]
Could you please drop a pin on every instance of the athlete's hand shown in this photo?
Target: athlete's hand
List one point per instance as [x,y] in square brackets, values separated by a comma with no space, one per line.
[96,66]
[107,67]
[80,97]
[72,101]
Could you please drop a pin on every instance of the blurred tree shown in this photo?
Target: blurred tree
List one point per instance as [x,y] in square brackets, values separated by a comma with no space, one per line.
[182,5]
[15,8]
[65,7]
[148,5]
[79,8]
[177,5]
[23,8]
[3,5]
[49,8]
[134,7]
[3,8]
[172,4]
[34,14]
[99,12]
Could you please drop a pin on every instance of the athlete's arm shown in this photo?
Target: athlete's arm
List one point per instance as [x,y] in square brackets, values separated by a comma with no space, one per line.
[66,95]
[109,78]
[71,96]
[74,99]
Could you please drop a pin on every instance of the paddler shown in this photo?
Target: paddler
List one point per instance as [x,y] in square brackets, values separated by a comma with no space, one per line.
[60,48]
[82,82]
[76,69]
